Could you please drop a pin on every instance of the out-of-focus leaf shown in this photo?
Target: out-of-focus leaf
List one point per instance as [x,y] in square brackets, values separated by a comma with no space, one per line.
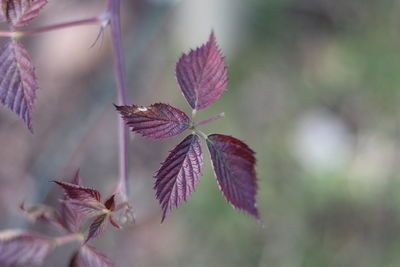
[234,166]
[21,12]
[19,248]
[202,74]
[179,174]
[79,192]
[43,213]
[88,256]
[86,208]
[71,218]
[156,121]
[18,83]
[114,222]
[3,10]
[97,227]
[110,203]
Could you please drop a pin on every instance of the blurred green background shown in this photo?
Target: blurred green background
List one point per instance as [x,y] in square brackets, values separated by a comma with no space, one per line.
[314,89]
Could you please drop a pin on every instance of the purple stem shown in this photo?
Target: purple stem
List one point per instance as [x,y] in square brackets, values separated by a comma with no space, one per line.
[119,65]
[91,20]
[213,118]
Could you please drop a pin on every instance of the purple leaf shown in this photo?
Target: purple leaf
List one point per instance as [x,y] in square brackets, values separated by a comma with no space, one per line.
[18,83]
[88,256]
[3,10]
[71,218]
[234,166]
[110,203]
[114,222]
[23,248]
[179,174]
[156,121]
[86,208]
[202,74]
[97,227]
[21,12]
[79,192]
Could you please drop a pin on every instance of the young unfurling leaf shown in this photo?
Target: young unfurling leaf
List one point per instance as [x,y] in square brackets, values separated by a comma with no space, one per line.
[70,216]
[19,248]
[202,74]
[234,167]
[179,174]
[79,192]
[97,227]
[156,121]
[18,83]
[88,256]
[21,12]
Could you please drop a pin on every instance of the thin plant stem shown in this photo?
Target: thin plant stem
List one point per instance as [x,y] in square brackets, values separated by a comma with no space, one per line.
[93,20]
[213,118]
[119,65]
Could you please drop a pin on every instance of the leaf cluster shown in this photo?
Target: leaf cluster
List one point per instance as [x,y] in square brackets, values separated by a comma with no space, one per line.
[202,77]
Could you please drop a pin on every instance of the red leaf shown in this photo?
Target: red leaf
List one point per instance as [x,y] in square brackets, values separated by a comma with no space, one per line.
[23,248]
[21,12]
[156,121]
[97,227]
[88,256]
[18,83]
[179,174]
[79,192]
[202,74]
[234,167]
[110,203]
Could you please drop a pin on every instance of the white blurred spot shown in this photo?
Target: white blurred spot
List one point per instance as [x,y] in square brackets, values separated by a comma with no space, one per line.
[322,141]
[142,109]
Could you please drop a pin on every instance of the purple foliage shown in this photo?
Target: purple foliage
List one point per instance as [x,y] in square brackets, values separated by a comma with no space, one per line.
[86,208]
[79,192]
[21,12]
[234,167]
[18,83]
[179,174]
[156,121]
[70,217]
[23,248]
[97,227]
[88,256]
[202,74]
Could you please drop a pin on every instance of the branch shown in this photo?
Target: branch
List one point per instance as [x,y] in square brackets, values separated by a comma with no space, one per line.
[119,65]
[103,18]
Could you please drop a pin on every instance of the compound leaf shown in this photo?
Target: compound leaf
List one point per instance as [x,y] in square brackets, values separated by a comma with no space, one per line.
[88,256]
[179,174]
[234,167]
[21,12]
[18,82]
[23,248]
[202,74]
[156,121]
